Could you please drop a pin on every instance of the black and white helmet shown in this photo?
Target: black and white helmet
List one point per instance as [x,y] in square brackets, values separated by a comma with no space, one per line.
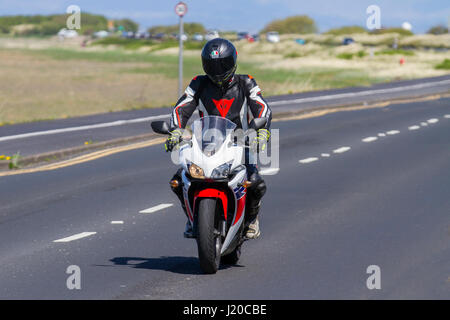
[219,59]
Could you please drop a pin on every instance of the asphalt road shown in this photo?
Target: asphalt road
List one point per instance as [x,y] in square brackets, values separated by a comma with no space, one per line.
[114,125]
[349,204]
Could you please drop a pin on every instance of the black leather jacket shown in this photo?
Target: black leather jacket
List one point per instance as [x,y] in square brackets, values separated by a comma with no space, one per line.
[241,95]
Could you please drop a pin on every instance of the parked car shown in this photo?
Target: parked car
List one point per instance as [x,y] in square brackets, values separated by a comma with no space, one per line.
[197,37]
[347,41]
[212,35]
[273,36]
[184,37]
[139,35]
[100,34]
[242,35]
[67,33]
[159,36]
[255,37]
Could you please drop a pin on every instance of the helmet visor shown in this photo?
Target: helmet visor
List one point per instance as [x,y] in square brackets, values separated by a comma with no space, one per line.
[218,67]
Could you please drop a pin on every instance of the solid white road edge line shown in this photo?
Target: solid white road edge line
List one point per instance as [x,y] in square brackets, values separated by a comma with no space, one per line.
[157,208]
[360,93]
[301,100]
[80,128]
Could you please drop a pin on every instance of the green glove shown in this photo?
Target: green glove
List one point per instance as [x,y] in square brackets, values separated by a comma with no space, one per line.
[259,143]
[173,140]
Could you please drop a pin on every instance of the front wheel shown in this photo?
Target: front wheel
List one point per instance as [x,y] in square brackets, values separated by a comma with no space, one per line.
[209,241]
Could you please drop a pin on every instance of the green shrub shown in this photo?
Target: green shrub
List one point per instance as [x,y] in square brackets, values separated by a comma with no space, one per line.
[400,31]
[361,54]
[124,42]
[440,29]
[15,161]
[188,28]
[295,24]
[292,55]
[445,65]
[345,55]
[346,30]
[51,24]
[395,51]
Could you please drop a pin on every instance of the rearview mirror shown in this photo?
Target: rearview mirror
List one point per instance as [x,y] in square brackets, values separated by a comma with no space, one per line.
[161,127]
[258,123]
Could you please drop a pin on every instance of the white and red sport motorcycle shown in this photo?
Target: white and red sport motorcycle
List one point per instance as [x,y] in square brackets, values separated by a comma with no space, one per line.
[214,184]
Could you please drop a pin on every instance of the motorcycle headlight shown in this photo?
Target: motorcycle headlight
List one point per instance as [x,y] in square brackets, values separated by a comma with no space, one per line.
[196,172]
[221,171]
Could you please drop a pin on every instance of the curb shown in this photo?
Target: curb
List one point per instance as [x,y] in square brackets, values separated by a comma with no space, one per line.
[65,153]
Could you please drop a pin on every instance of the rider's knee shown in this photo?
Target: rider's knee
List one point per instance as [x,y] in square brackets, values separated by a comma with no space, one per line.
[258,187]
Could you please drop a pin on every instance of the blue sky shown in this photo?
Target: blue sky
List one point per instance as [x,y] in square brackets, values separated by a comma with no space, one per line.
[248,15]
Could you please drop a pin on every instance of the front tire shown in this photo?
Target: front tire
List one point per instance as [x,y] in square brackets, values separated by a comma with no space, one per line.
[209,242]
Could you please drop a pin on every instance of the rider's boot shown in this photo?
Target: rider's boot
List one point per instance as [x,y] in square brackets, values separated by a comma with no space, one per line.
[252,230]
[253,203]
[188,231]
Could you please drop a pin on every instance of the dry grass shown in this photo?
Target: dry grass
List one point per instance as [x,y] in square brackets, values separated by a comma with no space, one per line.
[420,64]
[421,40]
[36,87]
[36,83]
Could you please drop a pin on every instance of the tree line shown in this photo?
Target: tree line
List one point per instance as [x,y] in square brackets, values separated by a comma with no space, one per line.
[50,24]
[90,23]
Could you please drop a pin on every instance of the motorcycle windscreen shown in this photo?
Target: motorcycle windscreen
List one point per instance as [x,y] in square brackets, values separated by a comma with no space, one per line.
[211,132]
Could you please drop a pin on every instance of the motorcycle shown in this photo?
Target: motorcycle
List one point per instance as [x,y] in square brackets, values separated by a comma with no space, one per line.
[214,186]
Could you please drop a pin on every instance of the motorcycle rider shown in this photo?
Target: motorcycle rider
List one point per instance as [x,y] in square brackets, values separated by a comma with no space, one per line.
[223,93]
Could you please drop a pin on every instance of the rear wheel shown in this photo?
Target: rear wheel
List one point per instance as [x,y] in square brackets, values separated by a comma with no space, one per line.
[209,241]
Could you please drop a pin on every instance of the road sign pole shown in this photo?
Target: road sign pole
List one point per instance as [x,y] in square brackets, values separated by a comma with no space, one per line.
[180,10]
[180,58]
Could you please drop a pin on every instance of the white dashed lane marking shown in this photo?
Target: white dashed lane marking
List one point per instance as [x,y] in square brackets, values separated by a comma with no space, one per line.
[374,138]
[308,160]
[369,139]
[341,149]
[157,208]
[116,222]
[76,237]
[392,132]
[269,171]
